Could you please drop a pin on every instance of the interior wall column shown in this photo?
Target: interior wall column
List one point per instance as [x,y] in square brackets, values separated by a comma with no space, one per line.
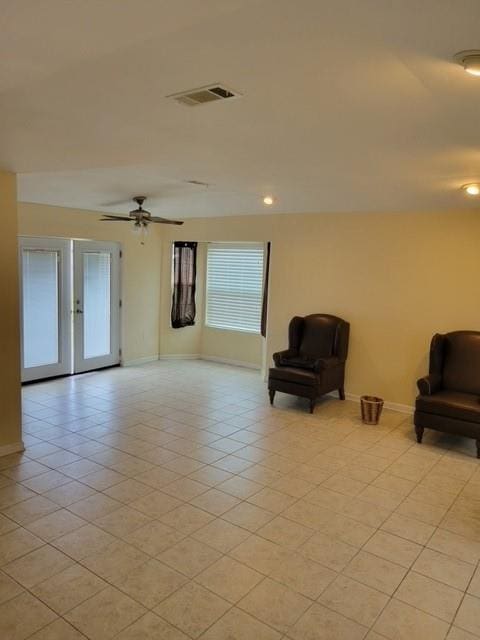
[10,390]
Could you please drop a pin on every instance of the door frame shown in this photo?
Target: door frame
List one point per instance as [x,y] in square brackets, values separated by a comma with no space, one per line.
[65,362]
[80,364]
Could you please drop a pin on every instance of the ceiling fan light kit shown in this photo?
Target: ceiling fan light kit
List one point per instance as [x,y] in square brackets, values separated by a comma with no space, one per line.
[472,189]
[469,60]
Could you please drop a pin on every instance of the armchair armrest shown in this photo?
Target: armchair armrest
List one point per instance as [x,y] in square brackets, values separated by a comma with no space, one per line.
[280,356]
[429,384]
[321,364]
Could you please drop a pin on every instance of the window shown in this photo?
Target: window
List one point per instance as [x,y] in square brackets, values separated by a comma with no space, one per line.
[234,286]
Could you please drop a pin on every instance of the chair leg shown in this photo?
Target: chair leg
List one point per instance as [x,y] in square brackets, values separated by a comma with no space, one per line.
[271,393]
[341,393]
[419,431]
[312,405]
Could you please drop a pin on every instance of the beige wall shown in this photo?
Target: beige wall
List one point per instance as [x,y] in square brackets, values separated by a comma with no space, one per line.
[398,279]
[235,346]
[141,265]
[10,429]
[200,340]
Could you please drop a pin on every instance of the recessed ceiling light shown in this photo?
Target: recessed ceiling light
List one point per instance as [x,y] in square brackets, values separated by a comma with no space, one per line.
[470,61]
[472,189]
[268,200]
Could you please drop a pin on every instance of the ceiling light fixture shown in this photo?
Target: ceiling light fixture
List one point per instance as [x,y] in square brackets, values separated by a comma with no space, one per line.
[470,61]
[268,200]
[472,189]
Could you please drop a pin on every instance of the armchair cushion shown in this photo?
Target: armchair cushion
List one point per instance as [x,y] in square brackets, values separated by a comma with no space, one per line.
[294,375]
[291,358]
[452,404]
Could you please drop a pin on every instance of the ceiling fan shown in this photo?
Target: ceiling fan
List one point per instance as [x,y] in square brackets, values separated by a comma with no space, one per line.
[139,216]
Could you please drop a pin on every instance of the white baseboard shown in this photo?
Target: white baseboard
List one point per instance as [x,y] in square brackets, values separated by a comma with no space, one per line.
[179,356]
[8,449]
[236,363]
[137,361]
[393,406]
[401,408]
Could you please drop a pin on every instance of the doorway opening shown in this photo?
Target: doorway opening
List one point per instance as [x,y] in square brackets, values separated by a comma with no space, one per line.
[69,306]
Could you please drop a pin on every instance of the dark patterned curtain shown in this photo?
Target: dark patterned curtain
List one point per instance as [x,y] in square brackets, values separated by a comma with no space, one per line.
[184,277]
[263,323]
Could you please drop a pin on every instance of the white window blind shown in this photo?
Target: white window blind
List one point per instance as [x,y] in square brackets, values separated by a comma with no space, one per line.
[234,286]
[40,307]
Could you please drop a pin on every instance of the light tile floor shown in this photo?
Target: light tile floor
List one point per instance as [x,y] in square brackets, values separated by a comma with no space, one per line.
[170,501]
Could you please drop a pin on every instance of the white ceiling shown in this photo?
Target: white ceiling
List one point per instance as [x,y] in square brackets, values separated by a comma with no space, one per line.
[347,106]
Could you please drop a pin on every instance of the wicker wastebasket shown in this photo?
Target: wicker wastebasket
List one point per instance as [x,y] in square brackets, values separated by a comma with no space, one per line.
[371,409]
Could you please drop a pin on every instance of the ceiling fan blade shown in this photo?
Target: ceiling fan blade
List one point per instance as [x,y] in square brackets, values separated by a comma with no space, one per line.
[109,218]
[164,220]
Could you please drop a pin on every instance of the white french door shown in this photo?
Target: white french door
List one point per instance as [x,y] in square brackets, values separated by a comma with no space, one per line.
[70,306]
[45,304]
[96,286]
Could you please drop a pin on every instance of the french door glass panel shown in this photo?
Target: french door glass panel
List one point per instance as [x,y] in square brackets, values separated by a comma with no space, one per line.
[97,304]
[40,304]
[45,307]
